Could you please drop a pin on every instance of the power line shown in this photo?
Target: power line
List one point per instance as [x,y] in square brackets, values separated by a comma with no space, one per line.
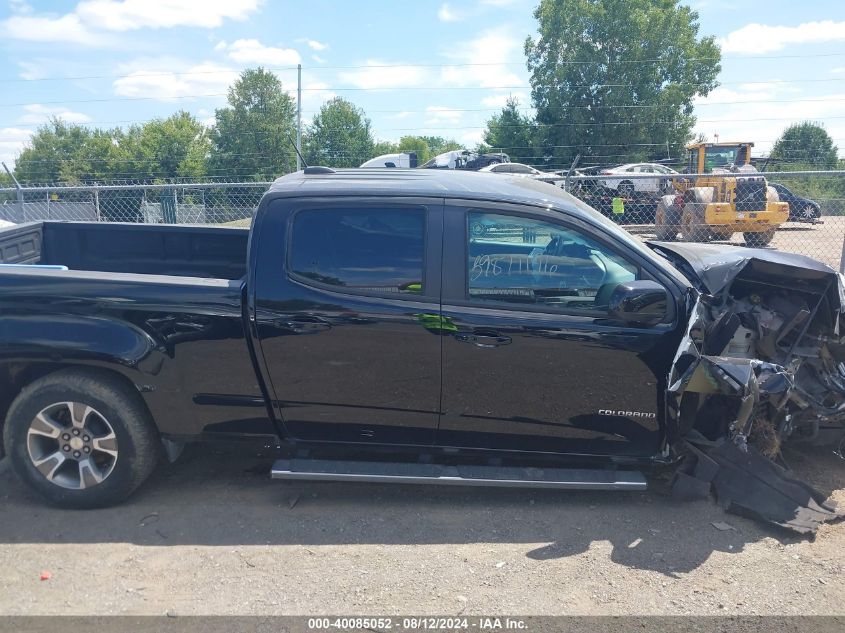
[324,67]
[450,110]
[403,88]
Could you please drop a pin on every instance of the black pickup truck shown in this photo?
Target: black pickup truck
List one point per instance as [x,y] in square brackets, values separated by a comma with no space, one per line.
[364,329]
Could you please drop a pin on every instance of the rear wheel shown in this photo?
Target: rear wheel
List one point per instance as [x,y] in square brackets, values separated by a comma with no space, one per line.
[756,240]
[693,227]
[81,438]
[626,189]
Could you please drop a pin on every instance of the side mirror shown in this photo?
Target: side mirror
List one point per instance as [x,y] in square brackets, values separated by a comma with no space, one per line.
[639,302]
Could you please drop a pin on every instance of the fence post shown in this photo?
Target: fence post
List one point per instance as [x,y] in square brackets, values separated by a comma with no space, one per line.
[842,258]
[569,172]
[97,202]
[20,217]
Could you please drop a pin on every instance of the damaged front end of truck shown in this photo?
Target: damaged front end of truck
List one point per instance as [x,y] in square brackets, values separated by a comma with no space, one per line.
[762,362]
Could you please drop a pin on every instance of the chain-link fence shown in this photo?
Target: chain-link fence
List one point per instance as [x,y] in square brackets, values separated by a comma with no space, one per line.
[194,203]
[799,212]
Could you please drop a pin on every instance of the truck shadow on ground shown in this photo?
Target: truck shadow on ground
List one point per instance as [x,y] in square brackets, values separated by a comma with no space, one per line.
[216,497]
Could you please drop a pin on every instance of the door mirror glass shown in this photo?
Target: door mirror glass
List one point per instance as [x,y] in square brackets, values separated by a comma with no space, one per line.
[643,302]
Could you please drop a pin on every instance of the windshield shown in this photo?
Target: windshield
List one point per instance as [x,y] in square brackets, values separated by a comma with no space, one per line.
[720,157]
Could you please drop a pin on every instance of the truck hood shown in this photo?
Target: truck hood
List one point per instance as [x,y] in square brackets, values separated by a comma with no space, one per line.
[711,268]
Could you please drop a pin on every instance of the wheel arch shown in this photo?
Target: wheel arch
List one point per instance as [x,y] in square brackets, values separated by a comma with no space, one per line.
[16,375]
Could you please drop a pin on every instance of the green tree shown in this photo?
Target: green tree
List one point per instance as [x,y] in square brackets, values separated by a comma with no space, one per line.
[384,147]
[512,132]
[804,145]
[52,152]
[339,136]
[251,137]
[426,147]
[439,144]
[171,148]
[617,77]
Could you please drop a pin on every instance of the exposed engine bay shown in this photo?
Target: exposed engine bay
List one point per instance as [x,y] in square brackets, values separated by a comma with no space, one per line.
[762,363]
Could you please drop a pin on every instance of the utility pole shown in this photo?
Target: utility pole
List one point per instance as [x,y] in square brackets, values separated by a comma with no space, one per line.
[298,116]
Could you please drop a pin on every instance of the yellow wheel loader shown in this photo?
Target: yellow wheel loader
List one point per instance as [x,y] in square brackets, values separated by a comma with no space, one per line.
[729,196]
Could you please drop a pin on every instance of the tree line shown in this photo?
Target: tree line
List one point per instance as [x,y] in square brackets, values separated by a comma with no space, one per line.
[251,139]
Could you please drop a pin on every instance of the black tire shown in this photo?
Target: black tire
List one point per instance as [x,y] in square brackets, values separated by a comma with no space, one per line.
[626,189]
[666,220]
[758,240]
[693,226]
[136,442]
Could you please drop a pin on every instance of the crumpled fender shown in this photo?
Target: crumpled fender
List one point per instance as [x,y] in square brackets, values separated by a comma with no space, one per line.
[743,479]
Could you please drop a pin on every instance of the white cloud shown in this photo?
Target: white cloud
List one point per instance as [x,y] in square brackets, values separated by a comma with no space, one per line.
[761,115]
[838,71]
[130,15]
[251,51]
[761,38]
[314,94]
[501,100]
[20,6]
[490,61]
[447,14]
[170,79]
[439,115]
[67,29]
[314,45]
[379,75]
[318,59]
[36,114]
[12,141]
[92,22]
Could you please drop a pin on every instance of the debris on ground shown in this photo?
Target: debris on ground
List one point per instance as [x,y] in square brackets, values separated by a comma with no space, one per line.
[722,526]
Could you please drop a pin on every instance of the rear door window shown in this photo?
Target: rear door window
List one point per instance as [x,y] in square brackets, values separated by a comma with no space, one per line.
[378,251]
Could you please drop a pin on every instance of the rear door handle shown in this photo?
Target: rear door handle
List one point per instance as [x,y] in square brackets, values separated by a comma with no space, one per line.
[483,340]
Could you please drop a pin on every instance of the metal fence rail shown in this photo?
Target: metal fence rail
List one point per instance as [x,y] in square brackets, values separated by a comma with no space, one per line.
[816,198]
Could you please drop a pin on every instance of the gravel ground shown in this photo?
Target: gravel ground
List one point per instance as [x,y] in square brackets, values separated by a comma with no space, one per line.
[212,534]
[820,241]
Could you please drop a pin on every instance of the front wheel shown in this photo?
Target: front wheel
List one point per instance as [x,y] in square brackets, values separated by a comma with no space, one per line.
[756,240]
[81,438]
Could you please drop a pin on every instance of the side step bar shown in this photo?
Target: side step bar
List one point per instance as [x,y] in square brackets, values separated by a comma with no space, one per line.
[501,476]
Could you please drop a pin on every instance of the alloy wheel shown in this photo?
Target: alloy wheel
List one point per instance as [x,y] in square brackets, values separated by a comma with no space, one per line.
[72,445]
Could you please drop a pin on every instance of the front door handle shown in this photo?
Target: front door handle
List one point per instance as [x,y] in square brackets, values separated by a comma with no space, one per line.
[303,325]
[483,340]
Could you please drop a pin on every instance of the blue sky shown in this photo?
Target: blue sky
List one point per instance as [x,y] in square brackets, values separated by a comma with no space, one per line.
[113,62]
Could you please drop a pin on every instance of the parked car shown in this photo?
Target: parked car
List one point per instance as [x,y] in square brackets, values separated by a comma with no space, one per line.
[800,209]
[623,182]
[465,159]
[402,160]
[527,171]
[361,328]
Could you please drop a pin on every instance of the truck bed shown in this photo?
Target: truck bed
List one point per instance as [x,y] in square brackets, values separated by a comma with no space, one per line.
[184,251]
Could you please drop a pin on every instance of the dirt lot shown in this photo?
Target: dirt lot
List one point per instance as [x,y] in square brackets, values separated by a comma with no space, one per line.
[819,241]
[213,534]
